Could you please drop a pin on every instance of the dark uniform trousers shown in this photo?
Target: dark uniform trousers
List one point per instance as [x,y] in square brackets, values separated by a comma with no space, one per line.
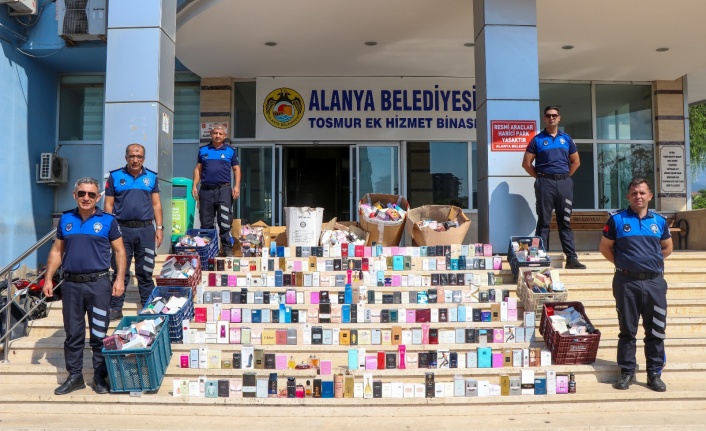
[555,195]
[215,203]
[80,299]
[139,243]
[646,298]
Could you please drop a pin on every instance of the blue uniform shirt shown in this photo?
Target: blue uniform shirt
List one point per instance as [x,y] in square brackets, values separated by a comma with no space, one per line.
[552,153]
[87,244]
[133,195]
[217,164]
[637,241]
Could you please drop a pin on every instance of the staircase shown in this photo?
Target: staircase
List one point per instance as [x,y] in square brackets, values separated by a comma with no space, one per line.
[36,367]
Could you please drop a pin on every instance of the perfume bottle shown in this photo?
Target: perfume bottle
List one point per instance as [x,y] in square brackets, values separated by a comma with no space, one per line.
[368,389]
[291,364]
[572,383]
[310,361]
[300,391]
[307,388]
[338,386]
[402,349]
[315,362]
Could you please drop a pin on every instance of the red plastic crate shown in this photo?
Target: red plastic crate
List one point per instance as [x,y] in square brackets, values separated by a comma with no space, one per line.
[192,281]
[568,349]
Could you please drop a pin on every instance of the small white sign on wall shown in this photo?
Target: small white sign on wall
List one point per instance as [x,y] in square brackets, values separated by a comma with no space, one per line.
[672,169]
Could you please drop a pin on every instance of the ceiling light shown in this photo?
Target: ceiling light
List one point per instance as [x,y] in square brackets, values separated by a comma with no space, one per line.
[371,43]
[567,47]
[469,44]
[270,43]
[662,49]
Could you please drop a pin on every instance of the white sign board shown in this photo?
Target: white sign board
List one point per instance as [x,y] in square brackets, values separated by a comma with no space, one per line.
[672,169]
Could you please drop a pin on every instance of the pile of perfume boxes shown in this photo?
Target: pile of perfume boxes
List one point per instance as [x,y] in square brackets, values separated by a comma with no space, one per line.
[253,386]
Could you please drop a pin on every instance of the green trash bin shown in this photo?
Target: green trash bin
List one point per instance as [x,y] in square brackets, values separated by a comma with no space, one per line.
[183,207]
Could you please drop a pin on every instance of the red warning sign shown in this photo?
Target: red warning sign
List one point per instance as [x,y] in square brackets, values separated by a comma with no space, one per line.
[511,135]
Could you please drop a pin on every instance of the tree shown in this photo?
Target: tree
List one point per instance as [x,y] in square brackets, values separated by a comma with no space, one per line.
[697,134]
[699,200]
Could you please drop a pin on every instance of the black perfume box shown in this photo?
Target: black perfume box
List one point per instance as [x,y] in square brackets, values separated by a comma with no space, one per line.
[270,361]
[390,360]
[429,386]
[223,388]
[316,335]
[377,388]
[237,362]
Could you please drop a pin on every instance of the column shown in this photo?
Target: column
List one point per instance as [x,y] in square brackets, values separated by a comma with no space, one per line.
[139,90]
[671,154]
[507,88]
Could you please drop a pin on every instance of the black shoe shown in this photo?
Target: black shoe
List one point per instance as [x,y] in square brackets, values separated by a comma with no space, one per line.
[100,385]
[71,384]
[654,382]
[573,263]
[625,380]
[116,315]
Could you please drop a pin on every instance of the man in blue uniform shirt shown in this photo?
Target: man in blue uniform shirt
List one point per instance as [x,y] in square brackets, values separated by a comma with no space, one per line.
[636,241]
[215,196]
[84,238]
[552,158]
[132,194]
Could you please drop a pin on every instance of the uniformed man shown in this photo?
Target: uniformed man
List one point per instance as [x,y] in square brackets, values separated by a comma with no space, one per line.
[84,238]
[555,158]
[215,197]
[636,241]
[132,194]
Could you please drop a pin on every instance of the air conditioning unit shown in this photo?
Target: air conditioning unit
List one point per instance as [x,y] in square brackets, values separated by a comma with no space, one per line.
[82,20]
[21,7]
[52,170]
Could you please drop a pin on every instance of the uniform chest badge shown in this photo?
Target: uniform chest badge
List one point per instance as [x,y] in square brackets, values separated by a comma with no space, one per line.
[545,143]
[68,227]
[654,228]
[146,181]
[223,156]
[122,181]
[97,227]
[626,228]
[205,156]
[561,141]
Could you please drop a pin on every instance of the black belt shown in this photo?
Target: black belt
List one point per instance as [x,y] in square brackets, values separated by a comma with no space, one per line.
[214,186]
[553,176]
[639,275]
[135,223]
[85,278]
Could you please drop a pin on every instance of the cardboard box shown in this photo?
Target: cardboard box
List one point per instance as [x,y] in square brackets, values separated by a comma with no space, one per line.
[303,225]
[346,226]
[385,233]
[439,213]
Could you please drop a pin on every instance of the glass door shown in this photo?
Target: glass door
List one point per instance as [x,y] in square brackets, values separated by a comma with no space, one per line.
[377,169]
[257,183]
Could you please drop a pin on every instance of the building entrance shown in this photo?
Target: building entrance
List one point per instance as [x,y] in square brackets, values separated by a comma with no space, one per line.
[318,176]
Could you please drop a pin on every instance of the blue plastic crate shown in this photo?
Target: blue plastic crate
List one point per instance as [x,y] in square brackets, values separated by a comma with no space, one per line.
[139,370]
[516,264]
[185,313]
[206,252]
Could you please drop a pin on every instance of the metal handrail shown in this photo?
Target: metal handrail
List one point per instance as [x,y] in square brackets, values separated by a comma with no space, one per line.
[7,271]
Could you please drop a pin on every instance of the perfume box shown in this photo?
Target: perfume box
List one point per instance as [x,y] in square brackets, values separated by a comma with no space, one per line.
[250,385]
[562,384]
[551,382]
[471,387]
[484,357]
[540,386]
[527,381]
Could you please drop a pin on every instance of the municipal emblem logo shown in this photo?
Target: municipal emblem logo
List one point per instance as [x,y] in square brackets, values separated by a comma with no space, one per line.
[626,228]
[545,143]
[223,156]
[68,227]
[654,228]
[97,227]
[283,108]
[302,224]
[146,181]
[561,141]
[122,181]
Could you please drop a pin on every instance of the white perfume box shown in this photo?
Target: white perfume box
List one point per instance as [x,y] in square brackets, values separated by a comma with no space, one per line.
[408,389]
[439,389]
[203,357]
[397,390]
[551,382]
[494,390]
[387,390]
[545,356]
[358,390]
[483,388]
[419,390]
[527,382]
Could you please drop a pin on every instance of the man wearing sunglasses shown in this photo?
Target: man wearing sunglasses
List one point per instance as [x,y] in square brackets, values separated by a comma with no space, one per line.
[552,158]
[84,238]
[132,194]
